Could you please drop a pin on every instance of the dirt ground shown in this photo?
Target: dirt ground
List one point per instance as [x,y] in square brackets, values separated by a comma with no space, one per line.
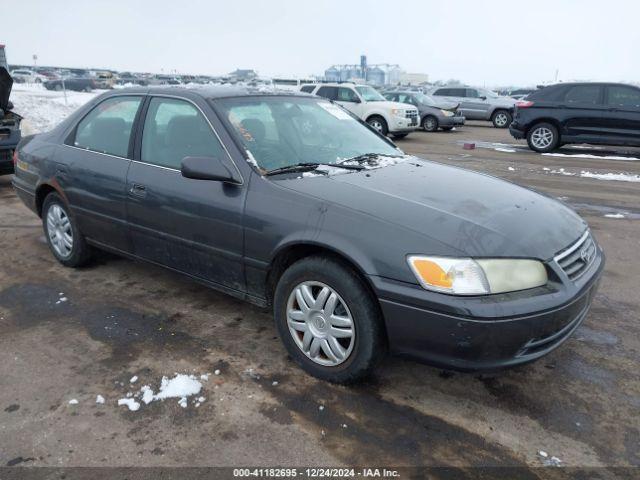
[581,403]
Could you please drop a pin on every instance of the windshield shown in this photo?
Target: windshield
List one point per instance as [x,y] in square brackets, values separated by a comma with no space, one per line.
[284,131]
[424,99]
[370,94]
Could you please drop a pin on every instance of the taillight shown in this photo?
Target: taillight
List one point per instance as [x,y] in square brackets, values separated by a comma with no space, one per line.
[15,157]
[524,104]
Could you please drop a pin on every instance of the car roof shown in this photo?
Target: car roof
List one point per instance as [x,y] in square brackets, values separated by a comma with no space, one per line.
[210,91]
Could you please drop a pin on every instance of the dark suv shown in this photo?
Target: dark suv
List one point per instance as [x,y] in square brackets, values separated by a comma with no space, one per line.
[596,113]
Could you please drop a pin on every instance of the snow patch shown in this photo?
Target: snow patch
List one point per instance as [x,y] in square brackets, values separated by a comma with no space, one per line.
[614,215]
[73,401]
[511,169]
[99,399]
[621,177]
[506,150]
[133,379]
[130,403]
[586,155]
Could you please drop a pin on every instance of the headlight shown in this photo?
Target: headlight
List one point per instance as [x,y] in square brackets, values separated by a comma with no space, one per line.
[464,276]
[447,113]
[398,112]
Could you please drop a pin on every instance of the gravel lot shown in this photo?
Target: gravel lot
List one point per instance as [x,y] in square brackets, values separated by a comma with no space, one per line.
[122,318]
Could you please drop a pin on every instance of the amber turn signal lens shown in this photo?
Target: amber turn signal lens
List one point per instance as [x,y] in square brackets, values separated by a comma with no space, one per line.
[432,273]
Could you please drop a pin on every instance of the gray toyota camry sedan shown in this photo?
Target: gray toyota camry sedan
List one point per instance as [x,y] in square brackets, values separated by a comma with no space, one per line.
[290,202]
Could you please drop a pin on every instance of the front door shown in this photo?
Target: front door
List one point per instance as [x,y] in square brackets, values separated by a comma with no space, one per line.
[194,226]
[92,169]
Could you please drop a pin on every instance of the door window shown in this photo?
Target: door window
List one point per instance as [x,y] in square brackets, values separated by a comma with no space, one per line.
[328,92]
[347,95]
[472,93]
[392,97]
[307,88]
[174,129]
[107,128]
[583,94]
[625,97]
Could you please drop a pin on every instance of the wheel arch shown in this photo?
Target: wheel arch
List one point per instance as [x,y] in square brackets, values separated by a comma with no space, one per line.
[540,120]
[42,191]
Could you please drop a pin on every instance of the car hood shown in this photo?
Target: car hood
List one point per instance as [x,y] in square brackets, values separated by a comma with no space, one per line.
[389,105]
[6,82]
[476,214]
[444,105]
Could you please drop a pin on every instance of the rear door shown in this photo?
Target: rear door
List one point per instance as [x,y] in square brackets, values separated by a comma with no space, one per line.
[92,169]
[194,226]
[621,119]
[583,108]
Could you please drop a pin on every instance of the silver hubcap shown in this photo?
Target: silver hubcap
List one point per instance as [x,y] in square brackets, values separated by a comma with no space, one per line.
[59,231]
[542,137]
[429,124]
[376,124]
[320,323]
[501,119]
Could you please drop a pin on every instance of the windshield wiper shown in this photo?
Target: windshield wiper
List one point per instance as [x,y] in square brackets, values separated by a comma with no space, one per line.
[367,157]
[308,166]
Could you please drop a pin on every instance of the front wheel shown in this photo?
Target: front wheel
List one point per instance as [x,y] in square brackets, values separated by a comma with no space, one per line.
[62,233]
[501,119]
[379,123]
[328,320]
[430,123]
[543,137]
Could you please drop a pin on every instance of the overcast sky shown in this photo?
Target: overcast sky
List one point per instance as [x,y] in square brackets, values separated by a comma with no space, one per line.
[483,43]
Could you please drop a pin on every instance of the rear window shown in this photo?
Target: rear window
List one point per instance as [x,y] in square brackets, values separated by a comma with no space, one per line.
[583,94]
[622,96]
[328,92]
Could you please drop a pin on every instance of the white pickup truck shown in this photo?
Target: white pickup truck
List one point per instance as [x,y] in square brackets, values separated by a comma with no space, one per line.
[389,118]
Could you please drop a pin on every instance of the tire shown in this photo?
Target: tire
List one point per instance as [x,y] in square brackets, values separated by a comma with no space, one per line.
[430,123]
[379,124]
[399,136]
[543,137]
[447,129]
[501,118]
[87,89]
[352,302]
[54,213]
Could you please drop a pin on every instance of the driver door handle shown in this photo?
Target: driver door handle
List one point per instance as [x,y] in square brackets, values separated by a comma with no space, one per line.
[138,190]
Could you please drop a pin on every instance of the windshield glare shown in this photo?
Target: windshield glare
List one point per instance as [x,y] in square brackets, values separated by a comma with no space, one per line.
[285,131]
[370,94]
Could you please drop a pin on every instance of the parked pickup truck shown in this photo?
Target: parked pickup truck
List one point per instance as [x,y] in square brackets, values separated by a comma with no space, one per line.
[396,119]
[9,124]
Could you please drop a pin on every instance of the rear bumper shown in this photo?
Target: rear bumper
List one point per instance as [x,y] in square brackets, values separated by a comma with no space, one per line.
[536,323]
[516,131]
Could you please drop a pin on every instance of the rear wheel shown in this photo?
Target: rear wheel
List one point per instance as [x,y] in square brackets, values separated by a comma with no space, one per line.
[62,233]
[328,320]
[379,123]
[430,123]
[543,137]
[501,119]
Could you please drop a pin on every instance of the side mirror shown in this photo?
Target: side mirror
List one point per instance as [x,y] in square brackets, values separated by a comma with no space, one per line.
[208,168]
[483,98]
[355,100]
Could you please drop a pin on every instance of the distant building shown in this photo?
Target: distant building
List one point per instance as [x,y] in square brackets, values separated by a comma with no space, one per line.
[243,75]
[375,74]
[414,78]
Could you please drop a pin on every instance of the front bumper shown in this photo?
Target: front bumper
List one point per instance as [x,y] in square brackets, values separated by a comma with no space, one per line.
[454,121]
[403,125]
[483,333]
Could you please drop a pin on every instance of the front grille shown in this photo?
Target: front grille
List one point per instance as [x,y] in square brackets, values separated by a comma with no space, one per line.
[576,259]
[413,116]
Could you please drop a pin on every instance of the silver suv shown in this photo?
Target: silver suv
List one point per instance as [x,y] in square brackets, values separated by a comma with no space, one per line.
[480,104]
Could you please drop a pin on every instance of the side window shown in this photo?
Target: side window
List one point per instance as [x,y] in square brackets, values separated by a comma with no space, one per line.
[107,128]
[443,92]
[346,95]
[392,97]
[583,94]
[330,93]
[625,97]
[307,88]
[404,98]
[472,93]
[174,129]
[457,92]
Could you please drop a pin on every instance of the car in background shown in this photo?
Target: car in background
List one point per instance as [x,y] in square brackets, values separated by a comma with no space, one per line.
[105,80]
[125,78]
[9,124]
[75,83]
[433,115]
[23,75]
[479,104]
[595,113]
[355,247]
[388,118]
[521,93]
